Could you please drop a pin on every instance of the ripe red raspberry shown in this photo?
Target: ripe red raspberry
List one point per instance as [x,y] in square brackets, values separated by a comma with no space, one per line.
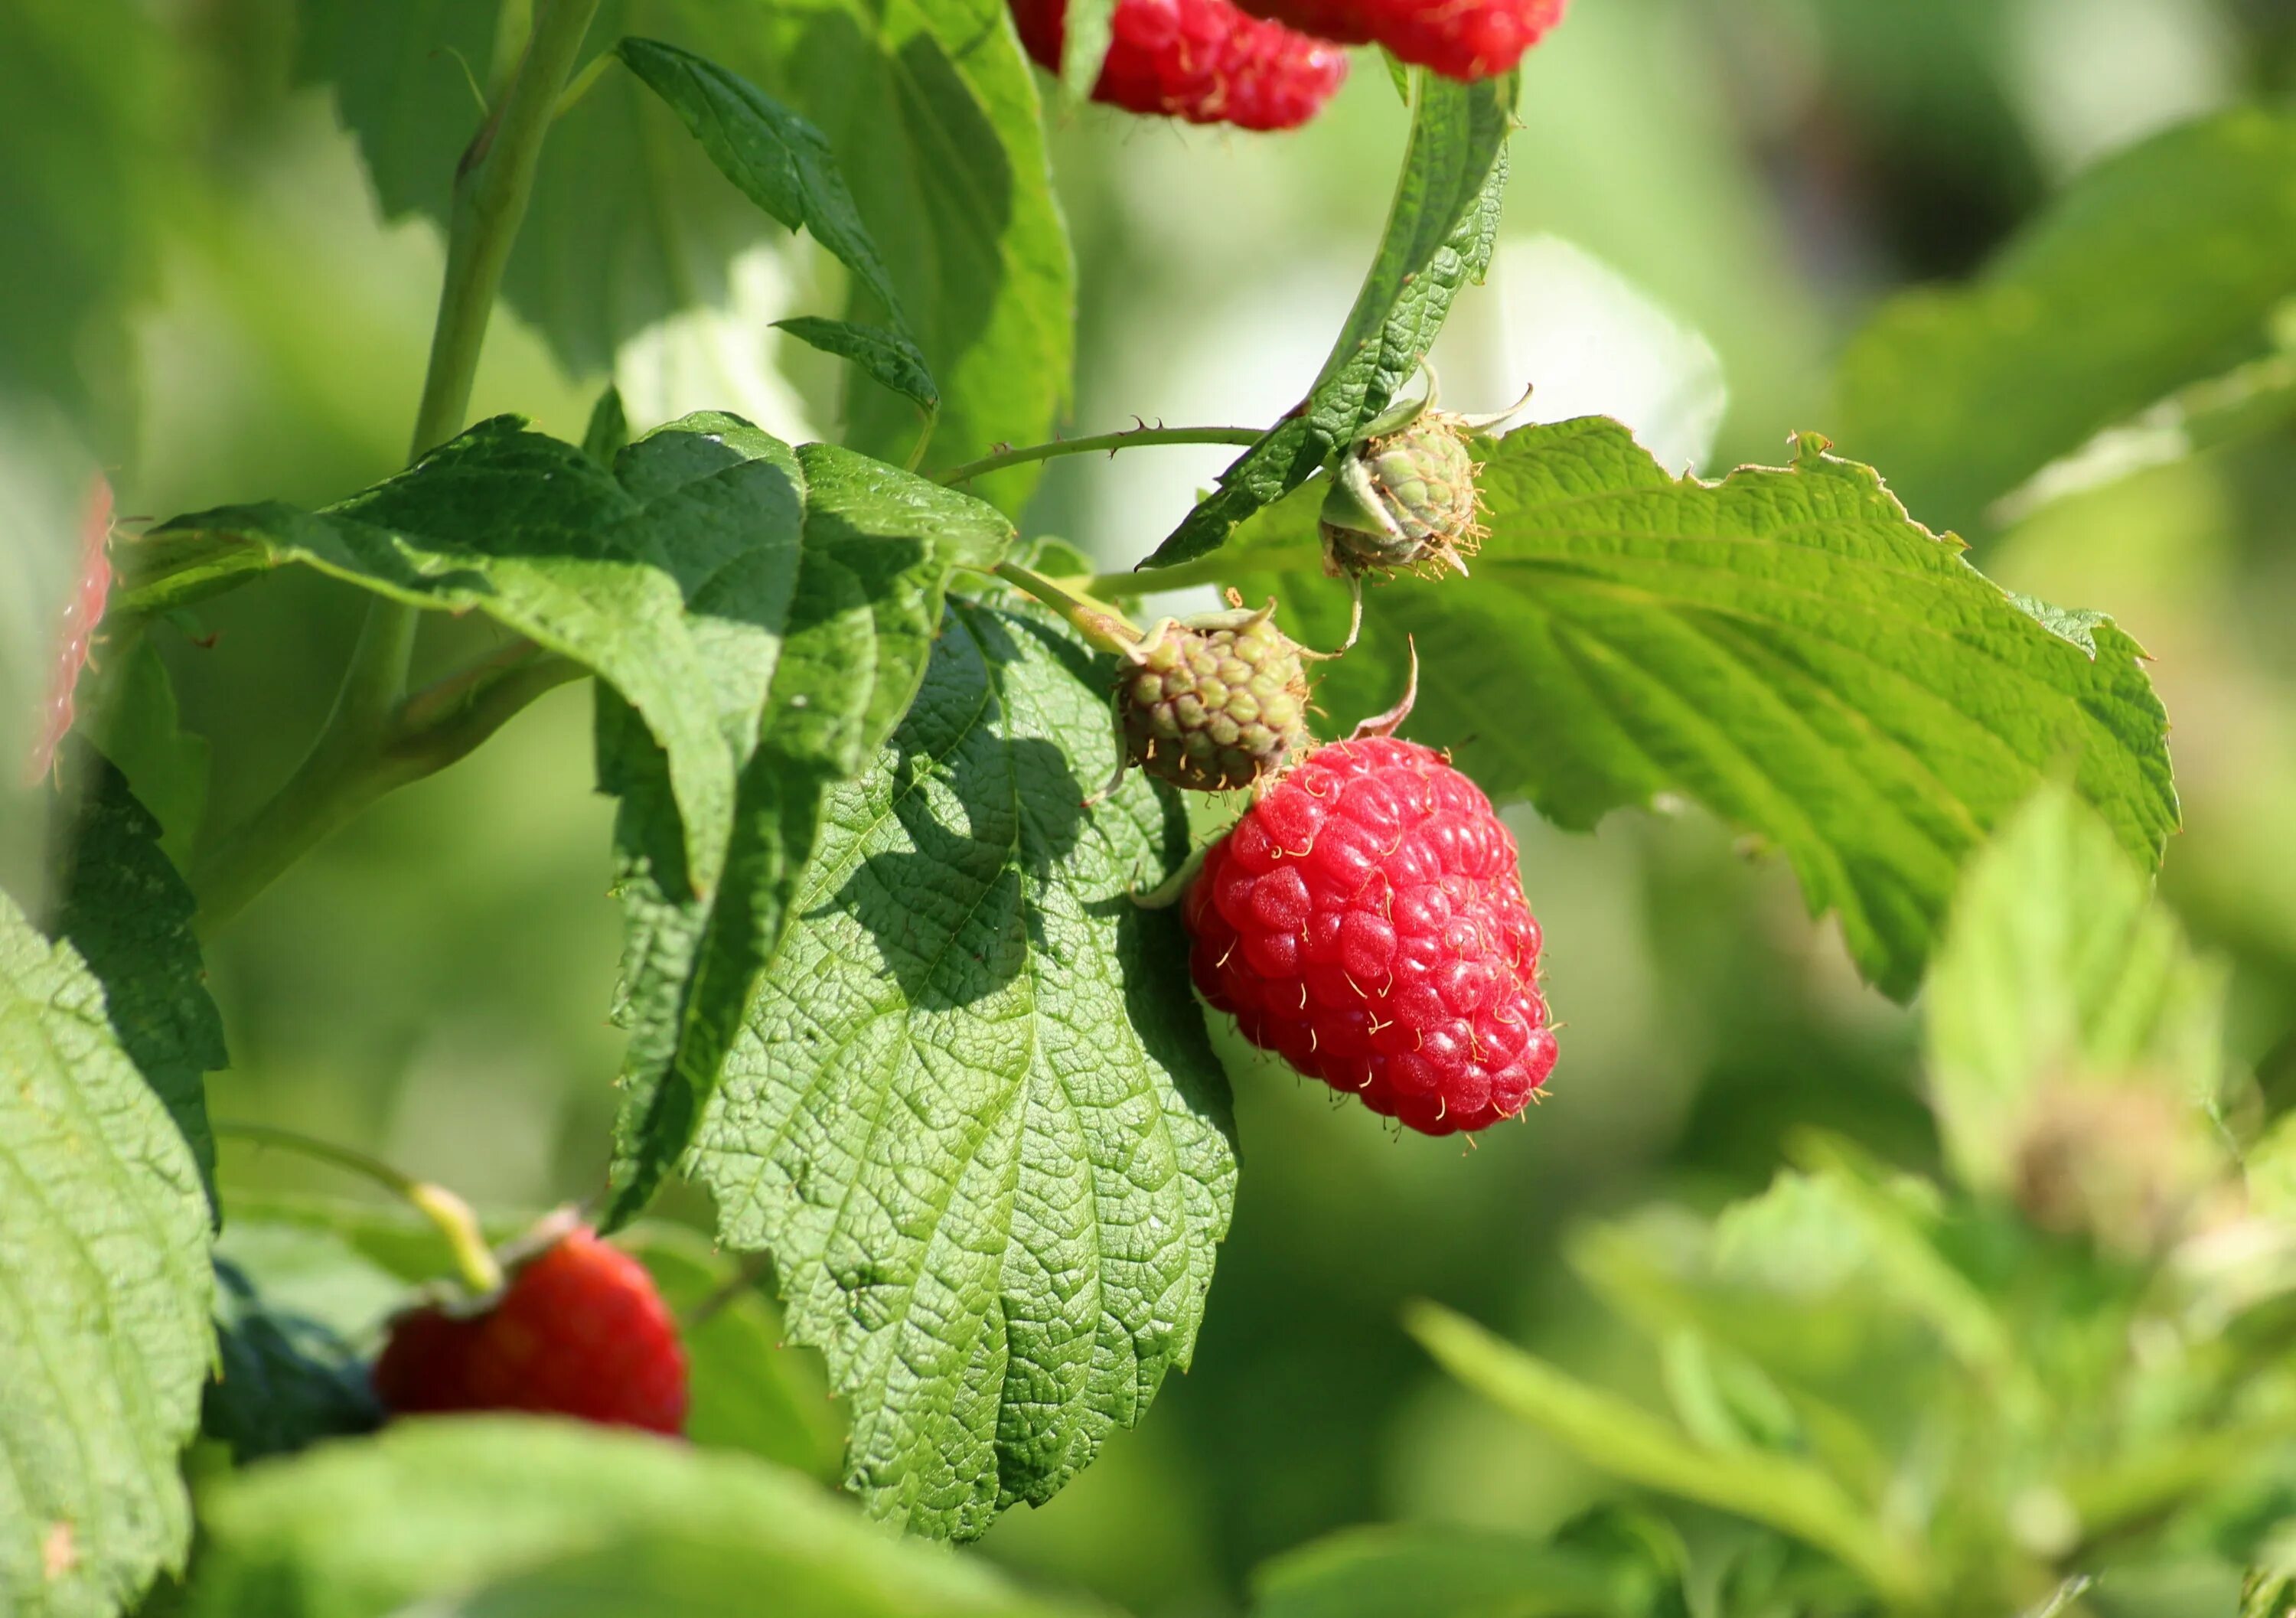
[1465,39]
[82,613]
[580,1331]
[1365,921]
[1203,60]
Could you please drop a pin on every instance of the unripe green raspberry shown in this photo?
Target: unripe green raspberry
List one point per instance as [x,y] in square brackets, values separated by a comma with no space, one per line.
[1214,703]
[1404,499]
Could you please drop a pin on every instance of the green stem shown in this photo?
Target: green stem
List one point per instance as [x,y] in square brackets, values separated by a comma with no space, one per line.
[1111,441]
[1104,626]
[345,770]
[353,766]
[474,1259]
[492,185]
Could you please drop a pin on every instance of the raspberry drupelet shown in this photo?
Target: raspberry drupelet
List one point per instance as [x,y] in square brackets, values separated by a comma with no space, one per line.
[1203,60]
[1365,920]
[1464,39]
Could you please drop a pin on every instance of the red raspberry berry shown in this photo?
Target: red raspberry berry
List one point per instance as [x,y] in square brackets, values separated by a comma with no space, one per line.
[579,1331]
[1203,60]
[1465,39]
[1365,921]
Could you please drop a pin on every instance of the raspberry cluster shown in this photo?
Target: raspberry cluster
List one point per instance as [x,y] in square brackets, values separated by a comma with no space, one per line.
[1365,920]
[1203,60]
[579,1331]
[1465,39]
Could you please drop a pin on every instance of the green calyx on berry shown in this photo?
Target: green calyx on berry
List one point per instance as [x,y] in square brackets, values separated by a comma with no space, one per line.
[1215,702]
[1404,495]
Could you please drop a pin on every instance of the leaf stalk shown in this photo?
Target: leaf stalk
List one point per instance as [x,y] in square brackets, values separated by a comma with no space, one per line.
[348,765]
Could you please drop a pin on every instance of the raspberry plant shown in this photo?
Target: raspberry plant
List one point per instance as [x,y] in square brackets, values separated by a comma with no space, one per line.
[895,994]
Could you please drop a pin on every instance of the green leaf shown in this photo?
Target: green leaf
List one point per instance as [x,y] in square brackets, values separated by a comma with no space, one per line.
[1626,1440]
[888,357]
[90,154]
[814,582]
[1087,28]
[973,1115]
[2059,968]
[127,912]
[500,1514]
[783,164]
[608,433]
[1438,238]
[1783,647]
[297,1313]
[2160,267]
[929,108]
[137,724]
[537,536]
[104,1336]
[1436,1570]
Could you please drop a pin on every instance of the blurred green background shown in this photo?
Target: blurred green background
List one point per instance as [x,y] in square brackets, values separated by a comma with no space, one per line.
[1709,197]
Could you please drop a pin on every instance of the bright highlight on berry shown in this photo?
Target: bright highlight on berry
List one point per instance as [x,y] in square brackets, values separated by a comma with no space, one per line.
[580,1331]
[1203,60]
[1365,920]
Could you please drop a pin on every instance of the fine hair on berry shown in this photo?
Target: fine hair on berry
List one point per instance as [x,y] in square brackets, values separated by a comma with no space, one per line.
[1201,61]
[1365,920]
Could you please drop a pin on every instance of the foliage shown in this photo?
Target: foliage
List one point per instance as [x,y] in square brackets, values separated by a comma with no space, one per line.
[895,996]
[1973,1395]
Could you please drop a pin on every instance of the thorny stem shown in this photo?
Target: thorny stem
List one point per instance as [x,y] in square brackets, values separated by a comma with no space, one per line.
[1131,438]
[352,762]
[474,1259]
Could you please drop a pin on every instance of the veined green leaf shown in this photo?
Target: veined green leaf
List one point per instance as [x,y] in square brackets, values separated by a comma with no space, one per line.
[1784,646]
[128,913]
[536,535]
[104,1296]
[2160,267]
[889,357]
[2058,968]
[501,1514]
[813,581]
[783,164]
[973,1114]
[928,106]
[1438,238]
